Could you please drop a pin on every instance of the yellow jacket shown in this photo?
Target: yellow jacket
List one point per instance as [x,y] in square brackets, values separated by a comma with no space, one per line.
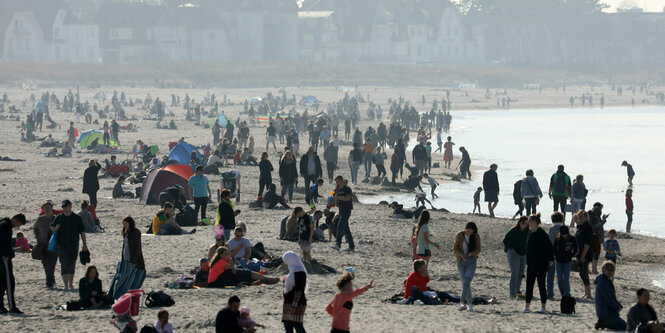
[458,246]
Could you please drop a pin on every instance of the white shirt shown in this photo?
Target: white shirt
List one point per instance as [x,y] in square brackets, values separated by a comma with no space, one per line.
[168,328]
[233,244]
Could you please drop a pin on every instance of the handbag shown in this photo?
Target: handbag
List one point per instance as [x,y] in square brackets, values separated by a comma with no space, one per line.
[53,242]
[38,252]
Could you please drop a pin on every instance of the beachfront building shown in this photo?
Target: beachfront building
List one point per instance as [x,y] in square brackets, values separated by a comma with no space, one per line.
[24,39]
[75,39]
[319,38]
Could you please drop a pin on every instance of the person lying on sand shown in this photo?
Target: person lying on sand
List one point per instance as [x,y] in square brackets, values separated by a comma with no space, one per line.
[400,213]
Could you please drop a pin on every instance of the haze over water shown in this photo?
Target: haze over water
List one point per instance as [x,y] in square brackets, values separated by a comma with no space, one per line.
[592,142]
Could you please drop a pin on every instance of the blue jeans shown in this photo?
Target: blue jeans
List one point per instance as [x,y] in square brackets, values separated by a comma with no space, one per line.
[343,228]
[517,264]
[227,233]
[466,270]
[629,214]
[289,188]
[563,277]
[367,162]
[330,166]
[530,204]
[550,281]
[354,171]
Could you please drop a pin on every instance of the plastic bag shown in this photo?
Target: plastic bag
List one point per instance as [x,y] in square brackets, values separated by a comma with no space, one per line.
[53,242]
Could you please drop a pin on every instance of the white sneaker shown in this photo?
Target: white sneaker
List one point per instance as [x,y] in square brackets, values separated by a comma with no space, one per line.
[470,308]
[526,310]
[462,307]
[542,310]
[418,302]
[335,247]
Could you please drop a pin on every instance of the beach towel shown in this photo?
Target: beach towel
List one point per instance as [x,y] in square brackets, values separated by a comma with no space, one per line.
[127,277]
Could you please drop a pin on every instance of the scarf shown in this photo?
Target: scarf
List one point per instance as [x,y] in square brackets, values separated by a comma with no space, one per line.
[229,202]
[292,260]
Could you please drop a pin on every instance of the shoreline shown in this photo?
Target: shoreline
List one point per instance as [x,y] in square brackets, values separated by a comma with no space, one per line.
[383,249]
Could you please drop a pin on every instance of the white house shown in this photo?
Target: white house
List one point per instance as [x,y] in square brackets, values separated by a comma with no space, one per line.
[319,37]
[73,39]
[24,39]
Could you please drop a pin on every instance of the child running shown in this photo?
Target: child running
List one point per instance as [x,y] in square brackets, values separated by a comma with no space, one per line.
[432,183]
[476,201]
[341,305]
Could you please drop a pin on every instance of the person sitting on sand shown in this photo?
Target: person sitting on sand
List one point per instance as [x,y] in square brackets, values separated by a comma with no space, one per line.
[66,150]
[641,313]
[227,318]
[88,220]
[162,324]
[90,290]
[223,272]
[239,246]
[163,223]
[607,305]
[271,198]
[247,323]
[118,192]
[22,244]
[340,306]
[219,242]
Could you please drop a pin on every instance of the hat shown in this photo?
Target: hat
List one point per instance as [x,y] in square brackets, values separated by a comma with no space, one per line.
[244,310]
[563,230]
[65,203]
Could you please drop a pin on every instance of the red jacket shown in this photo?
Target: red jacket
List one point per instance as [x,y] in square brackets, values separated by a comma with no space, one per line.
[417,280]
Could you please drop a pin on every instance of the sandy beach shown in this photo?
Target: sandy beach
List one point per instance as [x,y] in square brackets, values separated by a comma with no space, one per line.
[383,251]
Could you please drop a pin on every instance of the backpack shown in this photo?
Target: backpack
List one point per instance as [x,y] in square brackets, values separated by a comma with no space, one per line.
[560,184]
[517,191]
[158,299]
[148,329]
[568,304]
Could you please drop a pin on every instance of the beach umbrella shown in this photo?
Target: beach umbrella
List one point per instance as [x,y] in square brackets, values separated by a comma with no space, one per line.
[85,142]
[40,107]
[310,99]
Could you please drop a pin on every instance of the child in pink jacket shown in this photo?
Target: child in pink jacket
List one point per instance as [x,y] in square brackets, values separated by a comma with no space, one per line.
[341,305]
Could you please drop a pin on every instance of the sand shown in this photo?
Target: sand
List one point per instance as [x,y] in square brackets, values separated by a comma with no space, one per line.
[382,252]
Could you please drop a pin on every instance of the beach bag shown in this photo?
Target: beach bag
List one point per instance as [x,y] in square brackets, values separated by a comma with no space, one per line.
[38,252]
[74,306]
[53,242]
[127,278]
[186,218]
[158,299]
[128,304]
[148,328]
[568,304]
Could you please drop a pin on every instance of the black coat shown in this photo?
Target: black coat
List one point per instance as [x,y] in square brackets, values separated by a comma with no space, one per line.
[90,180]
[539,250]
[227,217]
[317,165]
[135,251]
[288,172]
[227,322]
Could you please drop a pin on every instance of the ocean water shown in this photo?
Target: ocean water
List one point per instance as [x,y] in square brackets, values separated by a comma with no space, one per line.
[592,142]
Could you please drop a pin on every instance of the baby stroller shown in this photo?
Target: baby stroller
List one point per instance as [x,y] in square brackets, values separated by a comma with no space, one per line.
[230,181]
[126,307]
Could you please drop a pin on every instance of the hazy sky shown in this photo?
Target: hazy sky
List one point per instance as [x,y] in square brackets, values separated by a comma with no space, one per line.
[648,5]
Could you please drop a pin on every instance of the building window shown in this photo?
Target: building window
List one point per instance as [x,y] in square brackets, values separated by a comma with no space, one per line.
[56,33]
[120,33]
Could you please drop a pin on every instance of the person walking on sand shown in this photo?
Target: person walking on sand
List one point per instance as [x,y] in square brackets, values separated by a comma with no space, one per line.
[630,171]
[340,306]
[465,164]
[467,248]
[43,234]
[585,239]
[629,209]
[296,285]
[265,172]
[491,188]
[531,192]
[343,198]
[69,226]
[579,193]
[539,257]
[514,244]
[448,153]
[91,181]
[423,239]
[560,190]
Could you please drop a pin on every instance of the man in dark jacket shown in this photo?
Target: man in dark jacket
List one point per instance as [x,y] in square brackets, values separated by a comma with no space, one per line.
[7,282]
[227,318]
[419,155]
[491,188]
[310,167]
[271,199]
[607,305]
[91,181]
[641,312]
